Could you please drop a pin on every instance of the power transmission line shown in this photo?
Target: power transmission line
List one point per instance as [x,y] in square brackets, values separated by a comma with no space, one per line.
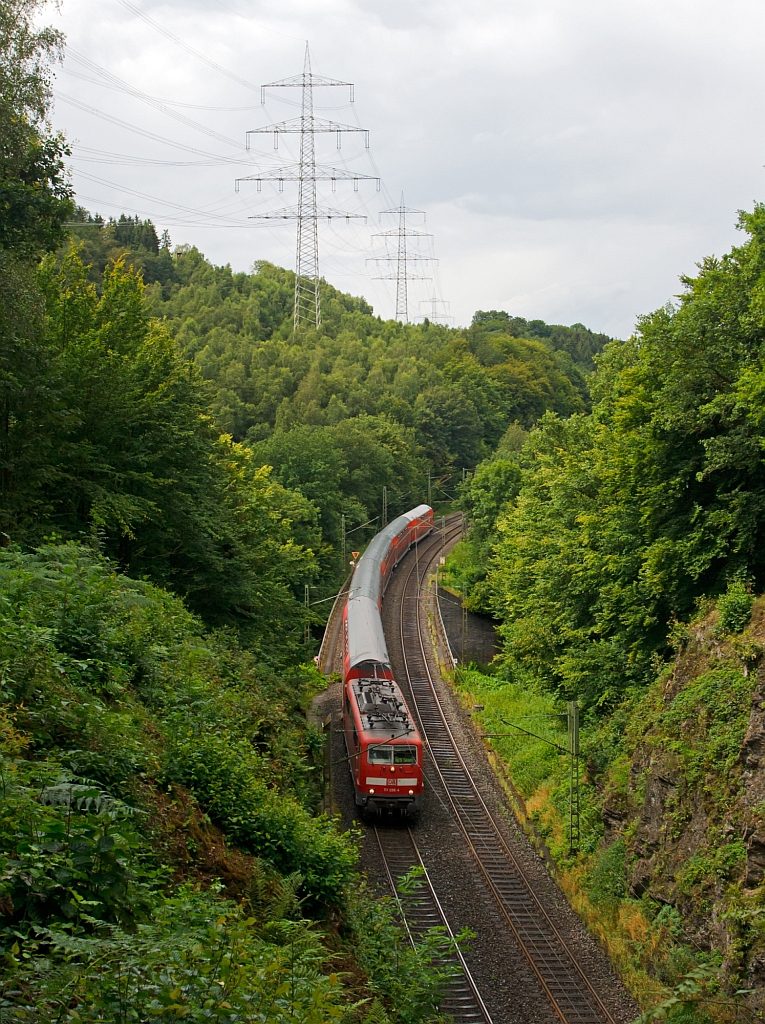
[185,46]
[142,131]
[105,156]
[307,309]
[171,103]
[117,83]
[216,218]
[402,258]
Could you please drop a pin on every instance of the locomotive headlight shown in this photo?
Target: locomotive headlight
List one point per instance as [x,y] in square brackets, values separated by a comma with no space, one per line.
[371,791]
[411,792]
[392,768]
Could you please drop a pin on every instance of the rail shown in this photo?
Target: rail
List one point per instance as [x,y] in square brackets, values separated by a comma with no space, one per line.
[569,991]
[421,910]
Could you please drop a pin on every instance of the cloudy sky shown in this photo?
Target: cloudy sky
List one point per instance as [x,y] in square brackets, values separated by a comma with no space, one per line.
[573,157]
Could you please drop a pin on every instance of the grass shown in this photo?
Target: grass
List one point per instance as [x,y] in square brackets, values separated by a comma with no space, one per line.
[642,939]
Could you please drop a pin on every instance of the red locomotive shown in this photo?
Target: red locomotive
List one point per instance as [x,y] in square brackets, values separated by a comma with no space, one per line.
[384,746]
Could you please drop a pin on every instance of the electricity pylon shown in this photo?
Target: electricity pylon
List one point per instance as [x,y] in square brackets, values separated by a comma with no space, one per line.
[433,315]
[307,212]
[403,258]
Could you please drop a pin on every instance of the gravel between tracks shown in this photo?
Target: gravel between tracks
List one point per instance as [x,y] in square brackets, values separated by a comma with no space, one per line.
[509,988]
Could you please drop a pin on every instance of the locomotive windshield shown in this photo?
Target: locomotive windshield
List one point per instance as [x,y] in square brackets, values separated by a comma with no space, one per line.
[392,755]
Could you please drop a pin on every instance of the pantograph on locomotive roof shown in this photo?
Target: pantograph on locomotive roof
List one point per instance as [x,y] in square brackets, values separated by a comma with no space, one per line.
[381,704]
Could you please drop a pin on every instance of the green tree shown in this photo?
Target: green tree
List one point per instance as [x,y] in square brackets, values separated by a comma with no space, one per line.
[34,204]
[128,455]
[35,197]
[627,516]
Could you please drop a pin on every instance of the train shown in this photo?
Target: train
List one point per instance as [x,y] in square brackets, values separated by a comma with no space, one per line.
[384,746]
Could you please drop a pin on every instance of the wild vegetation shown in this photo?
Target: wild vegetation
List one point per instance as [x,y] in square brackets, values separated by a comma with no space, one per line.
[176,465]
[360,404]
[162,853]
[159,846]
[621,550]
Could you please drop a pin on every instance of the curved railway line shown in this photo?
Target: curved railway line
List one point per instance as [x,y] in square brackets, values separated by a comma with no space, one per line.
[421,910]
[570,994]
[566,986]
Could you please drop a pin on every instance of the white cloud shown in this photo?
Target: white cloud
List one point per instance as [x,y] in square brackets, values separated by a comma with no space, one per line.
[574,157]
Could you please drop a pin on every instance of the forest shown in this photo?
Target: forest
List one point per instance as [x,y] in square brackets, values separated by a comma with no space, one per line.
[361,404]
[606,527]
[176,466]
[620,550]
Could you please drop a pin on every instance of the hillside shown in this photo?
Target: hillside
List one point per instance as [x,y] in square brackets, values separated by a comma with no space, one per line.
[361,404]
[161,848]
[175,469]
[670,873]
[621,552]
[181,478]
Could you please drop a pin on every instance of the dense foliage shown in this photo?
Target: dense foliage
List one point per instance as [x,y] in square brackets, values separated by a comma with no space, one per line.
[663,809]
[361,404]
[161,849]
[136,748]
[610,525]
[35,198]
[115,441]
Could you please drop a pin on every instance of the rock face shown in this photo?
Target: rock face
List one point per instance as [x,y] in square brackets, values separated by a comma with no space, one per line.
[691,807]
[651,835]
[753,778]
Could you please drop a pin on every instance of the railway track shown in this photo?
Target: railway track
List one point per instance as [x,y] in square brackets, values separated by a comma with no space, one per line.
[570,993]
[420,910]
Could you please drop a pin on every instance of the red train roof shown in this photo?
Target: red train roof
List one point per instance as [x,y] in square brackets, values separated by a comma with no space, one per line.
[382,711]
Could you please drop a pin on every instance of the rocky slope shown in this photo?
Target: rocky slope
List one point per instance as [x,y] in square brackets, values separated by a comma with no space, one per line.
[671,872]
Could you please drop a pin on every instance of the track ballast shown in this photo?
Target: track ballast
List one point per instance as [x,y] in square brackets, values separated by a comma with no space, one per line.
[569,991]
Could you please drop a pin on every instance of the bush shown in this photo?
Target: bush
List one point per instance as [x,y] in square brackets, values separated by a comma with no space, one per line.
[607,880]
[734,608]
[201,959]
[227,777]
[410,979]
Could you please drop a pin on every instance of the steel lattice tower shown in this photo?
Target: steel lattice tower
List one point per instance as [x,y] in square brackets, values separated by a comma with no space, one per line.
[307,302]
[402,295]
[433,315]
[307,213]
[403,257]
